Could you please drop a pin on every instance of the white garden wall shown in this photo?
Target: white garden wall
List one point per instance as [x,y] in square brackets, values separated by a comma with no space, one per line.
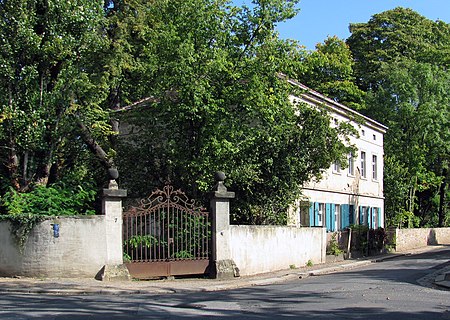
[86,246]
[260,249]
[407,239]
[79,251]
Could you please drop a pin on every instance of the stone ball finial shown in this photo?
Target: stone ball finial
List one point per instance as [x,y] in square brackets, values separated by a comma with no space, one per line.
[219,176]
[113,173]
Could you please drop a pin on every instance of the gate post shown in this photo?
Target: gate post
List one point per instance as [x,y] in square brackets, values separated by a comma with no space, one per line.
[222,264]
[114,269]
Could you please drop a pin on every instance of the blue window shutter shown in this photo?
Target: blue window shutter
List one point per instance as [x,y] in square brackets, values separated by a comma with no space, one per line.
[333,216]
[351,214]
[345,216]
[311,214]
[328,216]
[316,214]
[379,218]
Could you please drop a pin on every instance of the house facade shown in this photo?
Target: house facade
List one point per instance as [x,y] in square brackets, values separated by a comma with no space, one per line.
[351,195]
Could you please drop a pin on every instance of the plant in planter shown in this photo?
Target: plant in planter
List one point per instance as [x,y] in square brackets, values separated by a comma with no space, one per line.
[333,247]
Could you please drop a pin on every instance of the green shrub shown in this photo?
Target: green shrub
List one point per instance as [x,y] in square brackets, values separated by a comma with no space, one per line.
[23,210]
[406,219]
[333,248]
[50,201]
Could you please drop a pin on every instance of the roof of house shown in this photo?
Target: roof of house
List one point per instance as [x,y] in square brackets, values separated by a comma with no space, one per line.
[316,98]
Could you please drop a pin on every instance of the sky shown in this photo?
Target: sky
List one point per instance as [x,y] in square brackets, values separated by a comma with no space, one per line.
[319,19]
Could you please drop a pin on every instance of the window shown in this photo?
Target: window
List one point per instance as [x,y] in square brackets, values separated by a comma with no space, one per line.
[336,167]
[351,164]
[374,137]
[375,221]
[363,164]
[374,167]
[363,218]
[304,213]
[337,217]
[321,213]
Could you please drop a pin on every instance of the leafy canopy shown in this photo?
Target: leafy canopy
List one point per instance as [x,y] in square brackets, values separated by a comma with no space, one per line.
[200,80]
[329,70]
[401,60]
[222,106]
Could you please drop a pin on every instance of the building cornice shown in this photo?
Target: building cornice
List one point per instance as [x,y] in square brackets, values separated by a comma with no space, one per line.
[316,98]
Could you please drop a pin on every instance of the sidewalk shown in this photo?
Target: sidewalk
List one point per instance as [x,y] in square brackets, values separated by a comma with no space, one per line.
[63,286]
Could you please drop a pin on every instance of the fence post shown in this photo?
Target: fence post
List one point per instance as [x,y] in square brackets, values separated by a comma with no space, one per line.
[222,264]
[114,269]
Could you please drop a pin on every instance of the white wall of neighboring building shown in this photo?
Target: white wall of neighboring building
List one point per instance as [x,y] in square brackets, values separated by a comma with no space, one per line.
[342,189]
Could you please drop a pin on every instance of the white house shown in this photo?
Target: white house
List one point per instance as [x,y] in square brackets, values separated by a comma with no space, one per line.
[353,195]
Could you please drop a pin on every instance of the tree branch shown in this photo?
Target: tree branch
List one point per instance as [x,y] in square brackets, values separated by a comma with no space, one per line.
[93,145]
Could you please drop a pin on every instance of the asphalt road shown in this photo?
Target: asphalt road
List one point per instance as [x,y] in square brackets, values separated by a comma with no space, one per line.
[400,288]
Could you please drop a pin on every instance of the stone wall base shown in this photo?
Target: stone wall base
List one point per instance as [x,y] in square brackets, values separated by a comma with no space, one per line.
[113,273]
[224,269]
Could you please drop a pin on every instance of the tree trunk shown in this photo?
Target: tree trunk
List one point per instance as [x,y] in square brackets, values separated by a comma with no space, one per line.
[13,165]
[114,105]
[442,197]
[412,193]
[93,145]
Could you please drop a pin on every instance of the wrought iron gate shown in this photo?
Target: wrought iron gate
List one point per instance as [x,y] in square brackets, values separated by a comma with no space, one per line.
[166,235]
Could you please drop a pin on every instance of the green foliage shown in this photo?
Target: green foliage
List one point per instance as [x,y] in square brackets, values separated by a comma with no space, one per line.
[142,240]
[222,106]
[309,263]
[329,70]
[333,246]
[21,226]
[126,257]
[211,70]
[377,241]
[359,236]
[405,219]
[48,201]
[50,80]
[184,254]
[401,60]
[24,210]
[395,34]
[189,235]
[396,186]
[368,241]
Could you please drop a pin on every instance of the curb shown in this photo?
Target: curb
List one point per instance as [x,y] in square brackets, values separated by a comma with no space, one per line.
[23,286]
[336,268]
[93,287]
[443,280]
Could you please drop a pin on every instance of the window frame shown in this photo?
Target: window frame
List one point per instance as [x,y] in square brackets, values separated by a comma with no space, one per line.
[336,167]
[363,164]
[351,164]
[374,167]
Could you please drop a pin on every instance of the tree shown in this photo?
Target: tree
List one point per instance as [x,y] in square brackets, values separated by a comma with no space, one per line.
[399,33]
[415,103]
[201,83]
[49,80]
[222,106]
[399,61]
[329,70]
